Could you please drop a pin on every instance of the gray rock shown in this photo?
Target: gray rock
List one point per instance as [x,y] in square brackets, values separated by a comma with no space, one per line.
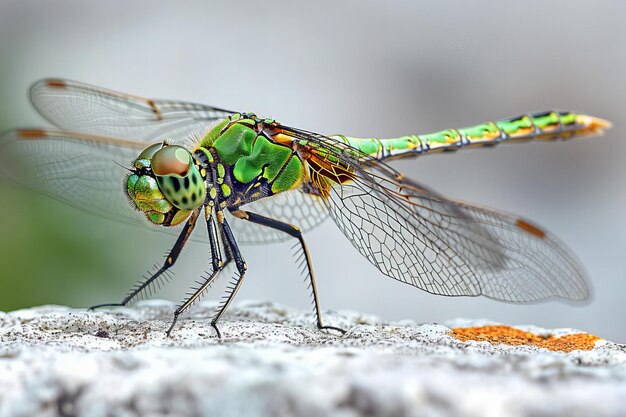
[57,361]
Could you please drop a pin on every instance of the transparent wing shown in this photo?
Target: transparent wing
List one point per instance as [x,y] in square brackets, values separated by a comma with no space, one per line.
[306,211]
[84,108]
[444,247]
[77,169]
[539,265]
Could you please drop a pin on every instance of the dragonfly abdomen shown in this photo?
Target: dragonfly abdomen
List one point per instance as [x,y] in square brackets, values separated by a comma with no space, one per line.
[545,125]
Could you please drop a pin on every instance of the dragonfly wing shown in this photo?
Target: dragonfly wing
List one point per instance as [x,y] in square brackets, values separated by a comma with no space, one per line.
[76,169]
[79,107]
[538,264]
[306,211]
[427,249]
[444,247]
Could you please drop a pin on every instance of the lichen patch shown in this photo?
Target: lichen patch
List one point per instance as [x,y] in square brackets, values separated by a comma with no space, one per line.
[515,337]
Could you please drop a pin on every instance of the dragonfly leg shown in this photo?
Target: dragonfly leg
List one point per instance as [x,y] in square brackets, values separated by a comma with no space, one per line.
[296,233]
[169,261]
[232,251]
[217,266]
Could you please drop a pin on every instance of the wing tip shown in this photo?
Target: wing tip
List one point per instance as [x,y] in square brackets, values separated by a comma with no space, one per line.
[39,87]
[585,296]
[46,83]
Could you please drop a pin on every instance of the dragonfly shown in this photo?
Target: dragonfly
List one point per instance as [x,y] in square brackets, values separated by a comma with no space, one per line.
[252,180]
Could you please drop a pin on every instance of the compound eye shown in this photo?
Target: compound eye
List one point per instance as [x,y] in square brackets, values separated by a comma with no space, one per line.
[149,152]
[171,160]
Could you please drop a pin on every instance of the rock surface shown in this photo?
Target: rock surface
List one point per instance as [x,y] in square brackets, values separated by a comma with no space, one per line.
[57,361]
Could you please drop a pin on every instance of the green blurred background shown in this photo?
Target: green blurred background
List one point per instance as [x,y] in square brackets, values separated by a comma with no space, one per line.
[362,68]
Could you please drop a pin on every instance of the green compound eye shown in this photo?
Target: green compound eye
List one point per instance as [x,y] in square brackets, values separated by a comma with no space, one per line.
[178,178]
[149,152]
[171,160]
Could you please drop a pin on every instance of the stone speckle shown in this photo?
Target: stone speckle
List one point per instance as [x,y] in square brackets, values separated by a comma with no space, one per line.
[57,361]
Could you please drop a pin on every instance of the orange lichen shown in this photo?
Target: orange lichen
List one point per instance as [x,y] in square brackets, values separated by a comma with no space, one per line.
[515,337]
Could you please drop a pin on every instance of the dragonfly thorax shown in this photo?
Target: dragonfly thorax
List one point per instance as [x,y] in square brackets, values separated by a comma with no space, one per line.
[166,184]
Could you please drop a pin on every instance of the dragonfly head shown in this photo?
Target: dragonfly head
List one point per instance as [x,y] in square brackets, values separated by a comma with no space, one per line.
[166,184]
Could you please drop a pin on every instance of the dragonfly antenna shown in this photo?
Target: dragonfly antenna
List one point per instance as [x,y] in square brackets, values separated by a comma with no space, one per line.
[122,166]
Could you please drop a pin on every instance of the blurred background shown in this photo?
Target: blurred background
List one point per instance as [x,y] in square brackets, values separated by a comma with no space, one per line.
[361,68]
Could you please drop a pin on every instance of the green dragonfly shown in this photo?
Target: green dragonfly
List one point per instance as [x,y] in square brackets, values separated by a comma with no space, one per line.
[253,180]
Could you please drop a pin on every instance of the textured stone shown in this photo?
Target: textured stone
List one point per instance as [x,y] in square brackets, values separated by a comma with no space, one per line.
[57,361]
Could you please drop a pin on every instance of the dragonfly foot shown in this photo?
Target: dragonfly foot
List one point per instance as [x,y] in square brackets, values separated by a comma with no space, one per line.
[168,333]
[92,308]
[342,331]
[219,334]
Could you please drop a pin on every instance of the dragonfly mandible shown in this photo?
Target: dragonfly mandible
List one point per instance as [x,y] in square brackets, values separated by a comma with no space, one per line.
[193,163]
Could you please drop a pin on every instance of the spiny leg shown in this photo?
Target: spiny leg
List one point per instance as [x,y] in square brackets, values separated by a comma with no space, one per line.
[294,232]
[169,261]
[232,249]
[216,264]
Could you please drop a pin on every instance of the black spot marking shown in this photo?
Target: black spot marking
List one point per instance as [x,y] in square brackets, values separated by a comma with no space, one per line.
[194,197]
[187,182]
[185,200]
[194,178]
[175,203]
[175,183]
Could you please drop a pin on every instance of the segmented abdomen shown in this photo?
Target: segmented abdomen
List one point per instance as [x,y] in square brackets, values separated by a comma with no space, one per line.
[537,126]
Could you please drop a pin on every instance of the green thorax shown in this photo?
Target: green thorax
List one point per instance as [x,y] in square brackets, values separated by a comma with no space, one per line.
[252,155]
